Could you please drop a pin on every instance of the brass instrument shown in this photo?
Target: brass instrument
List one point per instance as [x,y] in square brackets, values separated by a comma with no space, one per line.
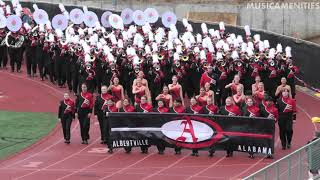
[290,66]
[284,57]
[177,63]
[239,63]
[223,63]
[157,67]
[257,56]
[185,58]
[17,44]
[160,56]
[271,63]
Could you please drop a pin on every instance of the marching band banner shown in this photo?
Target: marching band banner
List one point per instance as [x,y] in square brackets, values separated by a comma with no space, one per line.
[192,131]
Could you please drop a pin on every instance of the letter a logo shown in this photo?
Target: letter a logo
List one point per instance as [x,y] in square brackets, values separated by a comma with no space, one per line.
[188,128]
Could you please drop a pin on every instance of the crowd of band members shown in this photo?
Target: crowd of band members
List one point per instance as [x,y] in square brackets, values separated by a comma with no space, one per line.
[217,87]
[171,99]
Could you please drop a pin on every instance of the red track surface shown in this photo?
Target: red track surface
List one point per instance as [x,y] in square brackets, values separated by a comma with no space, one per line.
[52,159]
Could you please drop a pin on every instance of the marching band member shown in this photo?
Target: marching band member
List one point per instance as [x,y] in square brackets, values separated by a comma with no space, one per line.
[165,96]
[210,108]
[250,110]
[117,92]
[65,115]
[239,97]
[282,87]
[202,97]
[230,109]
[209,92]
[99,108]
[127,107]
[235,83]
[14,42]
[161,109]
[84,105]
[144,107]
[177,108]
[176,89]
[287,114]
[259,93]
[194,108]
[111,107]
[139,91]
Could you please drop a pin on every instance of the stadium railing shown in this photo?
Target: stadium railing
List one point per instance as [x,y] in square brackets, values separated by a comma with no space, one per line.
[296,165]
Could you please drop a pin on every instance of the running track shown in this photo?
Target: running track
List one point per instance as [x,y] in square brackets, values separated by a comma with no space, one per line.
[51,159]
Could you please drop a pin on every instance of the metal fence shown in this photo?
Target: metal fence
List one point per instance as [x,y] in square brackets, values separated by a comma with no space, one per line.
[297,165]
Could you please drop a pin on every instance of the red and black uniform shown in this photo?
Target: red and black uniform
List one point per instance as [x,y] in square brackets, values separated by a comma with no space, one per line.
[202,100]
[66,114]
[210,109]
[138,95]
[251,111]
[287,112]
[128,108]
[84,105]
[145,108]
[116,93]
[161,110]
[232,110]
[195,109]
[99,107]
[269,111]
[289,74]
[160,146]
[208,78]
[178,109]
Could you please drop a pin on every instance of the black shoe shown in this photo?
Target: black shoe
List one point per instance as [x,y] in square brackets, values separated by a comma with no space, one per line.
[283,147]
[110,151]
[269,157]
[67,141]
[288,146]
[229,154]
[178,152]
[251,156]
[211,154]
[85,142]
[128,151]
[196,154]
[102,142]
[161,152]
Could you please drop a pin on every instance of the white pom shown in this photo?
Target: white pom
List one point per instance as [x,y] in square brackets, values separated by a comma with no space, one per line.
[279,48]
[85,9]
[247,30]
[61,7]
[234,55]
[243,47]
[256,37]
[199,38]
[185,22]
[266,44]
[176,56]
[8,9]
[288,51]
[203,55]
[35,7]
[120,43]
[219,55]
[204,28]
[211,32]
[155,59]
[189,28]
[221,26]
[272,52]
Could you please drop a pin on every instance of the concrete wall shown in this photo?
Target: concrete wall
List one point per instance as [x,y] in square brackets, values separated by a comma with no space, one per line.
[301,23]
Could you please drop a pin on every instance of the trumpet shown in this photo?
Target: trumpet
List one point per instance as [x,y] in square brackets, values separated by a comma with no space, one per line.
[185,58]
[271,63]
[113,66]
[92,58]
[157,67]
[257,56]
[290,66]
[284,57]
[63,42]
[87,39]
[160,56]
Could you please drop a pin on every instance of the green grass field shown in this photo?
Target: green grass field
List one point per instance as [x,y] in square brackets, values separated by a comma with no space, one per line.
[19,130]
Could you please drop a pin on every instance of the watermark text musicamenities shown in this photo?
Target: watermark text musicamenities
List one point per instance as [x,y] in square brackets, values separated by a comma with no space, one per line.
[284,5]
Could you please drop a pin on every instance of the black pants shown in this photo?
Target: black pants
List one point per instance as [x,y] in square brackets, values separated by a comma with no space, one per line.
[3,57]
[285,128]
[66,121]
[15,59]
[84,124]
[31,66]
[104,128]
